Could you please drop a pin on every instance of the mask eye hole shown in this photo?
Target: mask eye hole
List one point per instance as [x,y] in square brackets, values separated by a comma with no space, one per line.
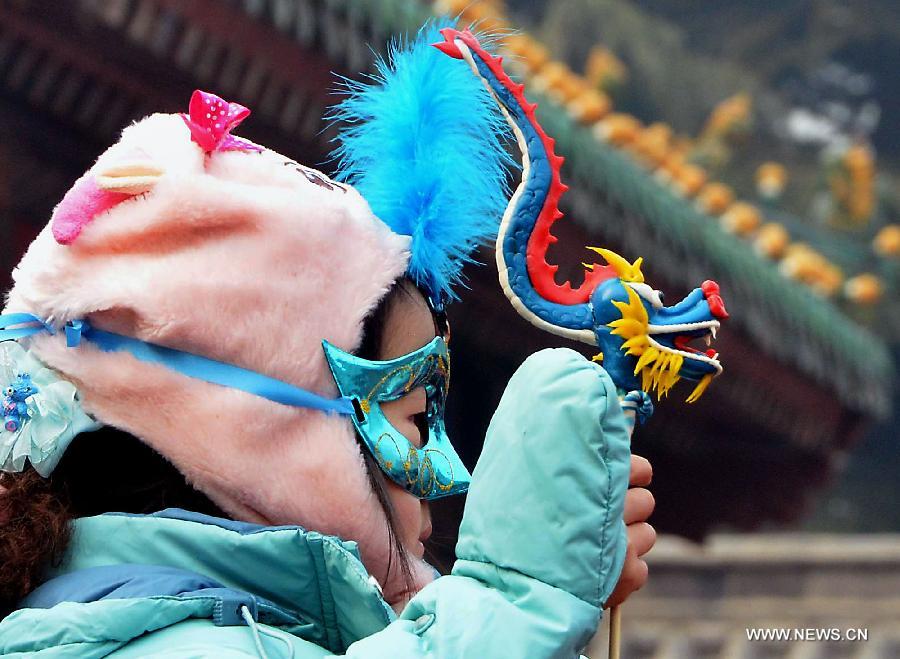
[421,422]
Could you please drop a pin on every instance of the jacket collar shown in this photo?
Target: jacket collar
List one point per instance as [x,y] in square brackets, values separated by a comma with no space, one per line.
[315,577]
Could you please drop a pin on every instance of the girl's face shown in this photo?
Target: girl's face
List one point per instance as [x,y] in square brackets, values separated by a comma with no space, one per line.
[409,325]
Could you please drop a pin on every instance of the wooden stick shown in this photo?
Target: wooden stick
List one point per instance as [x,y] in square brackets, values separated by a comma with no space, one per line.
[615,633]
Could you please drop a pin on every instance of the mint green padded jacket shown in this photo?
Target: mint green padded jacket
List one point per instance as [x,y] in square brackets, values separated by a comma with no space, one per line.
[541,546]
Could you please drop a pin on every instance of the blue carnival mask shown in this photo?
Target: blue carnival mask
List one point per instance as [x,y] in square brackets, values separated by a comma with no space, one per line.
[430,472]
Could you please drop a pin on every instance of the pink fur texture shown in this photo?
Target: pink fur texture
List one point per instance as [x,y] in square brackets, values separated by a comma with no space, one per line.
[243,257]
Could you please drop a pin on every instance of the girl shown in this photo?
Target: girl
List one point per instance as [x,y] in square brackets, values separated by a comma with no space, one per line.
[224,384]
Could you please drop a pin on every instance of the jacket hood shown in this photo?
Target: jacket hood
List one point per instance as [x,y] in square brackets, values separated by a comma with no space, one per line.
[165,568]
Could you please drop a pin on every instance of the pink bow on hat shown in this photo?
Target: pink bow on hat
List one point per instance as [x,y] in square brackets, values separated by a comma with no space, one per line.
[211,120]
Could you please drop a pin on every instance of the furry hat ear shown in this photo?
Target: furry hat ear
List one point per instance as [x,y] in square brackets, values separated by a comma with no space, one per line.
[147,152]
[98,192]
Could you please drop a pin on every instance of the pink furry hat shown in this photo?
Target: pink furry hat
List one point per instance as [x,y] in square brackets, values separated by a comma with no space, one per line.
[184,236]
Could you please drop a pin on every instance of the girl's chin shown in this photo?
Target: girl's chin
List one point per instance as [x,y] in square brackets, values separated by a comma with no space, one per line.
[417,549]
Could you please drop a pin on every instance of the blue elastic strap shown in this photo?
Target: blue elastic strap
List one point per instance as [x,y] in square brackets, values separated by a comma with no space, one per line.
[200,368]
[8,333]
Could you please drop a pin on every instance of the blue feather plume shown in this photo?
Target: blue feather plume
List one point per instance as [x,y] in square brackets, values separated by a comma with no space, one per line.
[423,142]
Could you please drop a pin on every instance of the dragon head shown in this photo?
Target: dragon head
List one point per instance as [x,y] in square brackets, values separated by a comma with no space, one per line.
[645,344]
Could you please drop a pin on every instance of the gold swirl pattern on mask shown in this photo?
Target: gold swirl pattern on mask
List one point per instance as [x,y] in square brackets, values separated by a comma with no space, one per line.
[430,363]
[436,483]
[418,469]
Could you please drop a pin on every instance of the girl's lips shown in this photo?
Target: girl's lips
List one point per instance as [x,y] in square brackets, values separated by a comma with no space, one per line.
[426,533]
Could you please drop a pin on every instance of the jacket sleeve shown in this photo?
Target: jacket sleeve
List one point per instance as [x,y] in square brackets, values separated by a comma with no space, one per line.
[542,541]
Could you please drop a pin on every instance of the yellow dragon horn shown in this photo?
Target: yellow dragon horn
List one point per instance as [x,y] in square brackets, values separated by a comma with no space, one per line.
[624,270]
[636,270]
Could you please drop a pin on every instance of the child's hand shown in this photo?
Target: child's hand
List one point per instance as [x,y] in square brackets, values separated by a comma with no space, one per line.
[639,504]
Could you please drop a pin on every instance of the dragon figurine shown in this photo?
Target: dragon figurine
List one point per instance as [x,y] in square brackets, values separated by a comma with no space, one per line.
[643,343]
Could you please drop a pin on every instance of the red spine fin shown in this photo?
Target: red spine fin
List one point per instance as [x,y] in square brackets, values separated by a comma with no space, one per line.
[540,272]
